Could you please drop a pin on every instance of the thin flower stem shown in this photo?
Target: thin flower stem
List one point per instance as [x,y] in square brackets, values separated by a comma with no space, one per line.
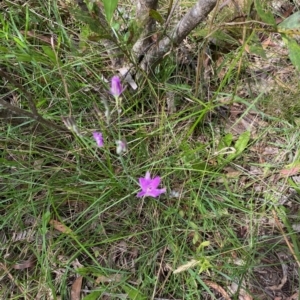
[141,206]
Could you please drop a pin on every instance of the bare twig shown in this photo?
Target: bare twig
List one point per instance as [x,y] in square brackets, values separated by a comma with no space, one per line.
[21,112]
[31,102]
[192,18]
[148,23]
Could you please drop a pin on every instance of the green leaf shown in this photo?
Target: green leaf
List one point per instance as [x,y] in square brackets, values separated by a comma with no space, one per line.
[203,245]
[109,8]
[292,22]
[227,140]
[196,237]
[204,264]
[46,217]
[154,14]
[266,17]
[288,28]
[258,50]
[193,225]
[224,143]
[93,295]
[133,293]
[223,39]
[294,52]
[242,142]
[49,53]
[240,145]
[84,271]
[93,23]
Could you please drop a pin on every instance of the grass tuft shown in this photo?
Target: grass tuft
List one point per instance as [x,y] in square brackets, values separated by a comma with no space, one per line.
[69,208]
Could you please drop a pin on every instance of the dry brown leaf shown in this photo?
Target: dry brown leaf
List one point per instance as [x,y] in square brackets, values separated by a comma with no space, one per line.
[41,37]
[24,264]
[107,279]
[76,264]
[60,227]
[76,288]
[243,295]
[232,172]
[218,288]
[270,151]
[255,170]
[290,171]
[294,296]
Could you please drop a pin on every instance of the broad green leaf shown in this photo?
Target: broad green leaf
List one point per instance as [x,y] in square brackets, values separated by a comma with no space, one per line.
[294,53]
[156,16]
[224,143]
[267,17]
[292,22]
[240,145]
[93,295]
[46,217]
[49,52]
[21,43]
[294,50]
[203,245]
[201,166]
[116,26]
[242,142]
[255,46]
[288,28]
[196,237]
[109,8]
[227,139]
[258,50]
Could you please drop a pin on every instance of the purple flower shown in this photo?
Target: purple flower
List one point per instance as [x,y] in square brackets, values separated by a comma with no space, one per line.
[149,186]
[116,88]
[98,138]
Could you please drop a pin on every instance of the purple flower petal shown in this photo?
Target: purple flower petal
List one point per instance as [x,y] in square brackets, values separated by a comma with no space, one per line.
[155,193]
[116,88]
[98,138]
[148,176]
[140,194]
[155,182]
[144,183]
[149,186]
